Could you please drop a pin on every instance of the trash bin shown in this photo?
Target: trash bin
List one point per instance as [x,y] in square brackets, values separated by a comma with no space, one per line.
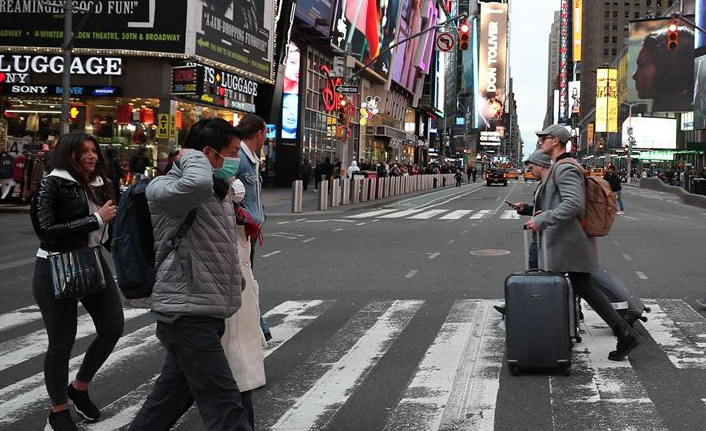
[360,174]
[699,186]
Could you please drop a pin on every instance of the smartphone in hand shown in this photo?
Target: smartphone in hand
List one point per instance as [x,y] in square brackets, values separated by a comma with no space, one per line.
[511,205]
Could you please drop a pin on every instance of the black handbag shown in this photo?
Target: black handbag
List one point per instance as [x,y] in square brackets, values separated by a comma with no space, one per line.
[77,273]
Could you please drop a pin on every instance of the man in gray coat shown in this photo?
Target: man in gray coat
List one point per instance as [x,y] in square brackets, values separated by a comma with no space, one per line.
[562,201]
[198,284]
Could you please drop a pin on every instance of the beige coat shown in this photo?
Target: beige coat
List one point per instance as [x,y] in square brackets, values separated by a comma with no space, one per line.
[243,339]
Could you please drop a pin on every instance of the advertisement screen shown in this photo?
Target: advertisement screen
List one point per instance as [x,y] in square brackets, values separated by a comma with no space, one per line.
[700,19]
[576,19]
[607,100]
[290,96]
[662,78]
[574,98]
[492,61]
[403,68]
[154,26]
[651,132]
[563,60]
[311,10]
[237,33]
[374,30]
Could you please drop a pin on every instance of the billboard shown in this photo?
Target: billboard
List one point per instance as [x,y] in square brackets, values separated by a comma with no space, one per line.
[578,30]
[607,100]
[555,106]
[699,107]
[403,68]
[700,42]
[651,132]
[658,76]
[374,31]
[290,93]
[492,62]
[309,11]
[574,98]
[563,59]
[238,33]
[157,26]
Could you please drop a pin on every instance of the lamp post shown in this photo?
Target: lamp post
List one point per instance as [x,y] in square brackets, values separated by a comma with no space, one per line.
[631,138]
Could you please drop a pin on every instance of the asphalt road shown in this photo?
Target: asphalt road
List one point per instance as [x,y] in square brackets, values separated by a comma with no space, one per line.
[383,319]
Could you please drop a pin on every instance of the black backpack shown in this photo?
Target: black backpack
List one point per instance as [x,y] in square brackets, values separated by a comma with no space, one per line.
[133,242]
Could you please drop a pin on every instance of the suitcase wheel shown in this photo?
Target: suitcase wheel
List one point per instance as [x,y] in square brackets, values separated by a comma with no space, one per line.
[643,318]
[648,310]
[514,370]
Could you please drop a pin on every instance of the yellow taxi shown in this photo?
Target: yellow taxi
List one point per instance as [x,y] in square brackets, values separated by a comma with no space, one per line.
[597,172]
[512,174]
[528,175]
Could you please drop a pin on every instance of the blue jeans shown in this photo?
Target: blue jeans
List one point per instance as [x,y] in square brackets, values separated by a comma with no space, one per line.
[619,195]
[196,369]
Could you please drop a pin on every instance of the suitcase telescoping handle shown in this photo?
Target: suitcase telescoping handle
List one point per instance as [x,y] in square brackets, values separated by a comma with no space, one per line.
[542,263]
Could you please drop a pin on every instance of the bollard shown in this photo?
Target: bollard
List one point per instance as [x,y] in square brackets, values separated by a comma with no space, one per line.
[388,187]
[346,194]
[297,190]
[356,190]
[335,192]
[372,191]
[381,188]
[364,189]
[323,195]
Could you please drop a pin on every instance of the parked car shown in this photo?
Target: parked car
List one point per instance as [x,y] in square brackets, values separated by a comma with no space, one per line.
[495,176]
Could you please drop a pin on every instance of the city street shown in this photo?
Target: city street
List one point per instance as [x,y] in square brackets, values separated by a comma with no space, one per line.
[382,319]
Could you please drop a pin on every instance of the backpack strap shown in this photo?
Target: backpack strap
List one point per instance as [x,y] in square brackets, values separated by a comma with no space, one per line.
[185,226]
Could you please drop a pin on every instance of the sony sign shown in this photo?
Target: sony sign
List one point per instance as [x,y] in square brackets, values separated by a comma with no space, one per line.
[19,63]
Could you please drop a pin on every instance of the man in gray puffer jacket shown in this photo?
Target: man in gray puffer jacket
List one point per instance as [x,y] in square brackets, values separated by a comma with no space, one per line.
[197,285]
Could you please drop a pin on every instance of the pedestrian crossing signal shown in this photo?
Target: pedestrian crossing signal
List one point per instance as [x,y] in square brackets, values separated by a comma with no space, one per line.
[463,35]
[672,36]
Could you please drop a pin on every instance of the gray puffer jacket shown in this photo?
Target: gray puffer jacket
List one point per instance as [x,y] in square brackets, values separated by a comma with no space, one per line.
[203,278]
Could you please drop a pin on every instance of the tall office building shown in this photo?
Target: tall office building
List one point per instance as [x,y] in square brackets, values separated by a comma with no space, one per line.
[605,34]
[552,67]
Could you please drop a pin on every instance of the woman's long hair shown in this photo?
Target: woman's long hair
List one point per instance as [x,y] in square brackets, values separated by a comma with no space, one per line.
[67,156]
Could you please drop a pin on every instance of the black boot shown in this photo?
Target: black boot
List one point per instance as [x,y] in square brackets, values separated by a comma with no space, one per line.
[628,339]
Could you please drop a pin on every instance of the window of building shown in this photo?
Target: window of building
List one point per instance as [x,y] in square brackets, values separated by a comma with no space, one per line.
[627,14]
[615,26]
[649,2]
[606,39]
[615,39]
[615,14]
[606,27]
[605,51]
[607,14]
[636,15]
[614,52]
[670,3]
[627,4]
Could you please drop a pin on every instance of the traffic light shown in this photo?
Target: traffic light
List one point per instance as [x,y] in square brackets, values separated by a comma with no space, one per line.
[672,36]
[463,35]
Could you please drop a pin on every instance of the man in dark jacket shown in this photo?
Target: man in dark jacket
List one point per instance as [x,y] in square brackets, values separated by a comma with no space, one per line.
[614,181]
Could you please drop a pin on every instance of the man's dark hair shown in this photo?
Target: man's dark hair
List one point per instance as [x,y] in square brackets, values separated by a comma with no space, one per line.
[249,125]
[211,132]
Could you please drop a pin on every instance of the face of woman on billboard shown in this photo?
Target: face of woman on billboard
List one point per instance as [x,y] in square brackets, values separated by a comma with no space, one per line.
[291,70]
[290,112]
[645,76]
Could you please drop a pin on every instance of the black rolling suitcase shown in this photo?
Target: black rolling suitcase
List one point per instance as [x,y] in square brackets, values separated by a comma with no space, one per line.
[628,306]
[540,319]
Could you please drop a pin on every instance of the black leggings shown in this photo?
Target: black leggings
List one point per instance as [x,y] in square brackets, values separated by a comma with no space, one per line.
[583,286]
[60,319]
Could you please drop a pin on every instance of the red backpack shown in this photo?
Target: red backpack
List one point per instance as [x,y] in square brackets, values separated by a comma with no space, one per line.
[600,202]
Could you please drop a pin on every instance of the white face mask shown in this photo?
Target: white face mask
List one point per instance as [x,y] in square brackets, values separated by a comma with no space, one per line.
[238,191]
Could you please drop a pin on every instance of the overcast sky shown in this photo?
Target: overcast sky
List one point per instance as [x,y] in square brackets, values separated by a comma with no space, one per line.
[530,23]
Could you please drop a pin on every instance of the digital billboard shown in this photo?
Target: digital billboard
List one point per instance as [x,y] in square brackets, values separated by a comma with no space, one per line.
[607,100]
[699,106]
[492,61]
[309,11]
[574,98]
[237,33]
[374,31]
[651,132]
[578,30]
[403,68]
[290,93]
[563,59]
[658,76]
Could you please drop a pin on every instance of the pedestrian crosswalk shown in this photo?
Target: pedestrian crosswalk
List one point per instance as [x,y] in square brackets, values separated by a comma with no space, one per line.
[436,213]
[455,384]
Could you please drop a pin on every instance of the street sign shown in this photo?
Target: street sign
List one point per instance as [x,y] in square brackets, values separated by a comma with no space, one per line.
[163,126]
[347,89]
[445,41]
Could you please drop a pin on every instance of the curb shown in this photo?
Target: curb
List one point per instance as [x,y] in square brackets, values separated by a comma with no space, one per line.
[14,209]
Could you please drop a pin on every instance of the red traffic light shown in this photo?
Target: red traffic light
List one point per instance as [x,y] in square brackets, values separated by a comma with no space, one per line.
[463,36]
[672,36]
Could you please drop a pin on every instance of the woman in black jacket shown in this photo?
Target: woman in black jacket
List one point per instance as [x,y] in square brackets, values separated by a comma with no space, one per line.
[69,212]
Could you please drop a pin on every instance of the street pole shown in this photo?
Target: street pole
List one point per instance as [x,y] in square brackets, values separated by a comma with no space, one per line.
[66,74]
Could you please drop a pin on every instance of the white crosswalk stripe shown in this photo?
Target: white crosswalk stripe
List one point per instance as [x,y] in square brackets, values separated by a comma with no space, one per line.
[454,385]
[436,213]
[455,215]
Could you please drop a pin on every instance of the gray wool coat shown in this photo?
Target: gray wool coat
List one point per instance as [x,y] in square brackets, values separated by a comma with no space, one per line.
[203,278]
[562,198]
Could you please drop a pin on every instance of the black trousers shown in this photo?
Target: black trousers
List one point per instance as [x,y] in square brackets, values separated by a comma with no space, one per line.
[195,370]
[583,286]
[60,319]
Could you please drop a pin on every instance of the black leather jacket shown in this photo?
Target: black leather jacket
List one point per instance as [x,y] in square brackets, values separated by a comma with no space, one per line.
[59,215]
